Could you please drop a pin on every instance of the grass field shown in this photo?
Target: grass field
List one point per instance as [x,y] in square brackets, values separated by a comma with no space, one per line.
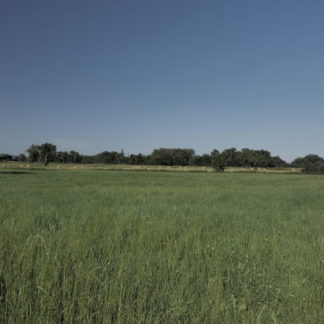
[129,167]
[93,246]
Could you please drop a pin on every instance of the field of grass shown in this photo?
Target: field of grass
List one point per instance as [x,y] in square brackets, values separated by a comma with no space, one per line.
[94,246]
[129,167]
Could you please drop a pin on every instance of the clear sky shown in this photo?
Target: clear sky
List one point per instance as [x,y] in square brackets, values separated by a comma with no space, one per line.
[138,75]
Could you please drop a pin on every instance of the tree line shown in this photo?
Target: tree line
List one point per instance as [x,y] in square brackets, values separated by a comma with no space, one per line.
[47,153]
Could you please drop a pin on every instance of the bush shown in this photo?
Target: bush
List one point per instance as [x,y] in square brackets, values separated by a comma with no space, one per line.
[217,161]
[314,168]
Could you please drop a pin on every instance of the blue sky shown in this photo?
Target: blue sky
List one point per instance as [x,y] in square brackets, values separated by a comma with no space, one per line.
[138,75]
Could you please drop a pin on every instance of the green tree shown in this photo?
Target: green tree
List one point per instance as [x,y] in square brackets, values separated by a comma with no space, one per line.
[44,153]
[217,161]
[172,156]
[310,163]
[21,158]
[33,153]
[47,153]
[279,162]
[74,157]
[200,160]
[62,157]
[231,157]
[5,157]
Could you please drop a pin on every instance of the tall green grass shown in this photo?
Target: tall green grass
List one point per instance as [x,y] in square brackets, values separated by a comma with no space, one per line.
[130,247]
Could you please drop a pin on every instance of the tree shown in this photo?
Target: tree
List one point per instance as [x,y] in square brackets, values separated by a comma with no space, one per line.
[5,157]
[47,153]
[44,153]
[170,156]
[256,158]
[136,159]
[217,161]
[162,156]
[22,158]
[182,156]
[279,162]
[140,158]
[110,157]
[74,157]
[87,159]
[231,157]
[62,157]
[310,164]
[33,153]
[200,160]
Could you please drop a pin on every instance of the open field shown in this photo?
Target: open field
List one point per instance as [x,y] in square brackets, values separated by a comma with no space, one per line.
[129,167]
[92,246]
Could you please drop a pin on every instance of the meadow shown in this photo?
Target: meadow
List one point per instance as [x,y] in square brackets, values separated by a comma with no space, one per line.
[100,246]
[129,167]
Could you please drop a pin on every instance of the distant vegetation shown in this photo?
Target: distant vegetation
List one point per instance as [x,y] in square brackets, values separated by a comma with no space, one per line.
[311,164]
[245,158]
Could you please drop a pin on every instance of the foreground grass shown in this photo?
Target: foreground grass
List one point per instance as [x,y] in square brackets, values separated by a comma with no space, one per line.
[134,247]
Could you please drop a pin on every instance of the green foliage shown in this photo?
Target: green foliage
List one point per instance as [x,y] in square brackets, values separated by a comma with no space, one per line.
[33,153]
[136,159]
[231,157]
[311,163]
[110,157]
[5,157]
[44,153]
[217,161]
[22,158]
[201,160]
[127,247]
[165,156]
[74,157]
[47,153]
[245,158]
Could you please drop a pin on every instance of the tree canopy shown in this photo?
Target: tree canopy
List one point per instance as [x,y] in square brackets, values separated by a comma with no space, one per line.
[231,157]
[44,153]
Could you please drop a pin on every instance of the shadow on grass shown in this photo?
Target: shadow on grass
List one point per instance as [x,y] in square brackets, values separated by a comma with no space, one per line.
[16,172]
